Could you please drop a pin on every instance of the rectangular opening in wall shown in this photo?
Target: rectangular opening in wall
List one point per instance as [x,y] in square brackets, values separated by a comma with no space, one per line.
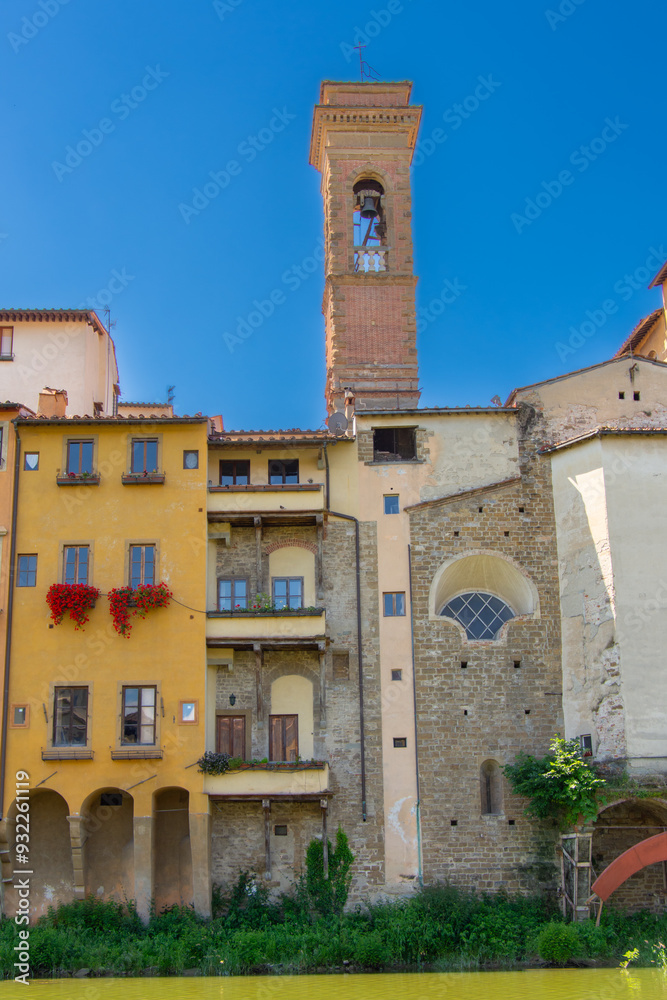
[464,664]
[279,830]
[397,675]
[621,395]
[394,444]
[636,396]
[394,605]
[111,799]
[391,504]
[400,741]
[517,664]
[511,822]
[586,744]
[453,822]
[341,666]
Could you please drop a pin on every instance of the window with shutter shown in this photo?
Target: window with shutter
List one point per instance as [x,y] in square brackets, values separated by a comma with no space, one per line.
[283,737]
[231,735]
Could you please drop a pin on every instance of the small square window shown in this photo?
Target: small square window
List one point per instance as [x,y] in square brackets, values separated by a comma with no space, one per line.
[27,571]
[464,664]
[190,459]
[397,675]
[20,717]
[391,504]
[31,461]
[453,822]
[188,713]
[394,605]
[400,741]
[636,396]
[621,395]
[279,830]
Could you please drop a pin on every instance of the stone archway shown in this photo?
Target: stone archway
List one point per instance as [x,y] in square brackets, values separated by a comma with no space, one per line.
[172,857]
[619,827]
[52,879]
[108,851]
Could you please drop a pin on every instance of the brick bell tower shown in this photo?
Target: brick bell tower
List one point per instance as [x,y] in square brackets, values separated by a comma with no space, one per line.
[363,139]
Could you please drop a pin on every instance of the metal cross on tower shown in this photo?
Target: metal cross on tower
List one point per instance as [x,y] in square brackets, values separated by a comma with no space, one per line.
[365,69]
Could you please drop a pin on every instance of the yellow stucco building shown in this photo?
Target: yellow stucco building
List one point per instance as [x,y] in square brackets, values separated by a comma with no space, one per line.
[107,725]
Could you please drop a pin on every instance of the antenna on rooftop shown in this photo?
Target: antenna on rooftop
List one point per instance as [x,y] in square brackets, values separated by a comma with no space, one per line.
[366,70]
[110,323]
[170,395]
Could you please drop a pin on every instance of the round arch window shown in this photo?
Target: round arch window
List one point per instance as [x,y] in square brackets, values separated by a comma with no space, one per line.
[482,615]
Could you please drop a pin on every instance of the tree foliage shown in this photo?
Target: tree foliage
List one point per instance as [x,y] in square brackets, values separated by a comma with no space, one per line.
[561,785]
[328,895]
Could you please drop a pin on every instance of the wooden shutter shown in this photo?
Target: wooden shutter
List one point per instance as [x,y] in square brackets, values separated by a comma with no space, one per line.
[283,737]
[291,737]
[231,735]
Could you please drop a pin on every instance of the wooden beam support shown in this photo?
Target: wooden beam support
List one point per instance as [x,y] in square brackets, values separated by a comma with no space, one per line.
[266,806]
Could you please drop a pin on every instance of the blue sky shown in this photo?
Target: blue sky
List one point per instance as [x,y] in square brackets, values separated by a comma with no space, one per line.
[163,93]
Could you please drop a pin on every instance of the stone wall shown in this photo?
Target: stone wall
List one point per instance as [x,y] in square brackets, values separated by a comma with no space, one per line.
[238,827]
[508,696]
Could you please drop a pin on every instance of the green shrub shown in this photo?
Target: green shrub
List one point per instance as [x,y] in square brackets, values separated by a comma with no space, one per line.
[561,785]
[328,894]
[558,942]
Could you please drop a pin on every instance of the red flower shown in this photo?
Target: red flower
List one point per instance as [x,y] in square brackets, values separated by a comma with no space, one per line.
[76,598]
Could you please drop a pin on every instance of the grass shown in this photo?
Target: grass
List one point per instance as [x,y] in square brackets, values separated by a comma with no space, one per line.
[441,928]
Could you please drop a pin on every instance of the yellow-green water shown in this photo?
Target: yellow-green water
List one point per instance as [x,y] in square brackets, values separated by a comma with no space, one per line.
[548,984]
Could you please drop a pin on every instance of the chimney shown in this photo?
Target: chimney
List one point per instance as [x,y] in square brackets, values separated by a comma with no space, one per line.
[52,402]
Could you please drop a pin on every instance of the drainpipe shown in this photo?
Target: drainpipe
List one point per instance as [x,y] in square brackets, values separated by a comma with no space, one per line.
[348,517]
[10,607]
[420,872]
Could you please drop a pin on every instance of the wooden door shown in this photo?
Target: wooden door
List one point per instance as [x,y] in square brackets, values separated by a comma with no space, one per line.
[231,735]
